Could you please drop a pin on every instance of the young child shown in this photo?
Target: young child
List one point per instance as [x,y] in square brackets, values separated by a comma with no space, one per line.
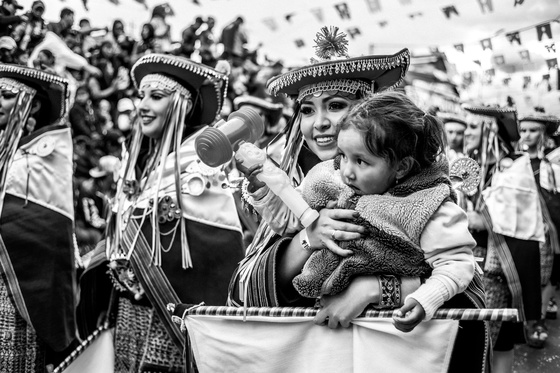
[390,171]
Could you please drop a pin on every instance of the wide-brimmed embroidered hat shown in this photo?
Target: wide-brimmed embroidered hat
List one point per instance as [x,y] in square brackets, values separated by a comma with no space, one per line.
[207,85]
[550,122]
[52,87]
[506,118]
[336,71]
[446,117]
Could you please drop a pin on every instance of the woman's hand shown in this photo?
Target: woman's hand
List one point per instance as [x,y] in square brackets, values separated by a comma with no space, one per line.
[251,174]
[341,308]
[333,225]
[409,315]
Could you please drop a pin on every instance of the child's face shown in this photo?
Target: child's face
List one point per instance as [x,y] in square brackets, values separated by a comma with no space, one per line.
[362,171]
[320,117]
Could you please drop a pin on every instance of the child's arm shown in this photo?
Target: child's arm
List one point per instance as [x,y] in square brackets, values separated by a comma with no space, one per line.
[447,245]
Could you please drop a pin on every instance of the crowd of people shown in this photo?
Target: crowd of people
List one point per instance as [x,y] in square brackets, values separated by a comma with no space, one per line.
[108,215]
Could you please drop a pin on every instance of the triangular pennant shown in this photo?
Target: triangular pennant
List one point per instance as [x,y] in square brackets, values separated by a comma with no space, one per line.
[544,29]
[551,48]
[373,5]
[506,81]
[486,44]
[299,43]
[343,10]
[525,55]
[518,2]
[513,36]
[486,5]
[382,23]
[288,17]
[526,81]
[448,10]
[552,63]
[353,32]
[499,60]
[318,13]
[459,47]
[490,72]
[478,62]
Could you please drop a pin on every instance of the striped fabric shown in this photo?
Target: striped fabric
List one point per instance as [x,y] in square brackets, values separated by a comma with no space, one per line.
[498,314]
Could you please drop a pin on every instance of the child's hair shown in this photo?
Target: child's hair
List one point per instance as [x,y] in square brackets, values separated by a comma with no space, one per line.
[396,128]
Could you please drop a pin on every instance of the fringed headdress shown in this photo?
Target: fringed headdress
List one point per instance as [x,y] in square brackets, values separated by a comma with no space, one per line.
[172,75]
[24,83]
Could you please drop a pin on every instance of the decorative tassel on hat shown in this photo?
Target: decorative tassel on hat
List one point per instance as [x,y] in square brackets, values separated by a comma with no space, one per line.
[330,43]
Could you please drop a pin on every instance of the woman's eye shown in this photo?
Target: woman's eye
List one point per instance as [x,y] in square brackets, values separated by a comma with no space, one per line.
[337,106]
[306,110]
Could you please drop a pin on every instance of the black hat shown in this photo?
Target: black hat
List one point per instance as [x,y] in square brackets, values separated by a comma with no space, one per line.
[550,122]
[370,74]
[208,86]
[506,118]
[53,87]
[450,117]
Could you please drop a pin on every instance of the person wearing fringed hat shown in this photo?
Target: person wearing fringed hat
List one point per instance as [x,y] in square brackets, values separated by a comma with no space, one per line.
[535,129]
[174,235]
[38,268]
[324,92]
[505,218]
[454,127]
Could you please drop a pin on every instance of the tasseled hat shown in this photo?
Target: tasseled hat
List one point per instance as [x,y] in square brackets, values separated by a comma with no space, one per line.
[450,117]
[207,86]
[550,122]
[506,119]
[336,71]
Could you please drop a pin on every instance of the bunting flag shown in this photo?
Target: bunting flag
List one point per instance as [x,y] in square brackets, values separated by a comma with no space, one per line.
[467,78]
[318,13]
[459,47]
[490,72]
[373,5]
[299,43]
[382,23]
[514,36]
[448,10]
[518,2]
[486,5]
[525,55]
[526,81]
[143,2]
[506,81]
[85,5]
[486,44]
[116,2]
[478,62]
[288,17]
[414,15]
[552,63]
[353,32]
[271,23]
[544,29]
[343,10]
[499,60]
[551,48]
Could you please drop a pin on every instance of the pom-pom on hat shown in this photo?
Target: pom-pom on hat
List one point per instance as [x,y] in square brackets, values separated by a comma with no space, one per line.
[207,86]
[506,118]
[336,71]
[51,86]
[550,122]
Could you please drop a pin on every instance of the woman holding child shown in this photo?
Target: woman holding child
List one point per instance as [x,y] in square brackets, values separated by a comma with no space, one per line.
[265,277]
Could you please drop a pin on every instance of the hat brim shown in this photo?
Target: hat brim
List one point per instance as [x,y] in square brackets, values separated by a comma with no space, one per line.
[450,117]
[54,87]
[208,86]
[550,122]
[505,117]
[385,71]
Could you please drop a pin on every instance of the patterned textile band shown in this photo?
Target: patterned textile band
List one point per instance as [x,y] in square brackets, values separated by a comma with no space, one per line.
[390,292]
[158,81]
[341,85]
[497,314]
[15,87]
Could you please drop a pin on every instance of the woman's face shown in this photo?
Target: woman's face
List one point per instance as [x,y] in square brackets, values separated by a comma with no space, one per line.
[7,102]
[152,110]
[320,117]
[473,134]
[531,133]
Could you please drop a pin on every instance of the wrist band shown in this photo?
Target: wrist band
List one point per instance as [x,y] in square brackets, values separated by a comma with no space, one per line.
[304,240]
[390,296]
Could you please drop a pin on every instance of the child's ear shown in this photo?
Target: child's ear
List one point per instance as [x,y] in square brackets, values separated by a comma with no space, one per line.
[404,167]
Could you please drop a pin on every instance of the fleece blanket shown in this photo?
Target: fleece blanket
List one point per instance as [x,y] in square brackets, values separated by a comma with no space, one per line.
[394,222]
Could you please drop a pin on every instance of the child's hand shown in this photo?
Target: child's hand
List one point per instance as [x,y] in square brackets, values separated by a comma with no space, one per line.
[251,175]
[409,315]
